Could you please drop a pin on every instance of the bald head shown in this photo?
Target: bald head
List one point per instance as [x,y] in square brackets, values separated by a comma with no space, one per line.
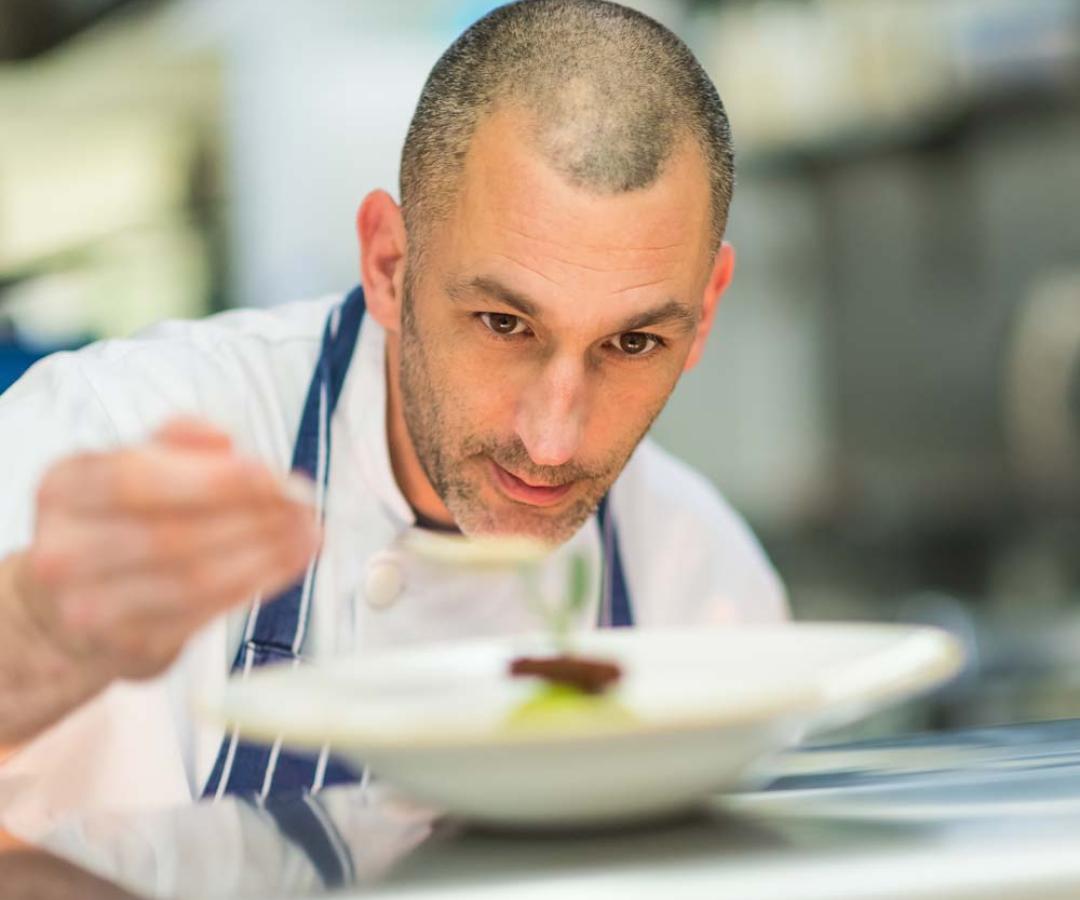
[609,94]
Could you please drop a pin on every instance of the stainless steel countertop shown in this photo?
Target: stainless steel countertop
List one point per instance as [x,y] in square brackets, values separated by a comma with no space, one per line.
[992,812]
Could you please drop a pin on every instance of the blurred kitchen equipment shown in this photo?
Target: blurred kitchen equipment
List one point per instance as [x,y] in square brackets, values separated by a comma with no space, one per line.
[1042,390]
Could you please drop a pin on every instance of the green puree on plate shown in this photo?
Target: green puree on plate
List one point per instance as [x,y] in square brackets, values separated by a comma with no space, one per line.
[557,706]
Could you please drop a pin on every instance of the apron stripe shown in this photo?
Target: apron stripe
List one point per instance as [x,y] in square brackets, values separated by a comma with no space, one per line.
[320,769]
[271,766]
[219,778]
[322,472]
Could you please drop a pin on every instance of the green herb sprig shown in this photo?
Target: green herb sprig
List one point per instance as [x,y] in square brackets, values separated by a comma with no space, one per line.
[559,616]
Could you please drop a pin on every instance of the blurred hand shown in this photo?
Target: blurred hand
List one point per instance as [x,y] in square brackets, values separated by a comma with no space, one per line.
[134,550]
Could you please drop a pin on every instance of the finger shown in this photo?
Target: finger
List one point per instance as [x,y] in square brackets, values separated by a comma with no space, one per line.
[157,479]
[193,434]
[87,548]
[189,594]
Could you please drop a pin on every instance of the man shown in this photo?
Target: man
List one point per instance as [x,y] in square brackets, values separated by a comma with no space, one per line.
[554,266]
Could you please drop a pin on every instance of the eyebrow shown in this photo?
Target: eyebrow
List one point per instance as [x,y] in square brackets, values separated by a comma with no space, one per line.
[496,290]
[673,312]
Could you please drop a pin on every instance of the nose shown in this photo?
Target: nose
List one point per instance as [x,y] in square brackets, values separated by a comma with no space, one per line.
[551,413]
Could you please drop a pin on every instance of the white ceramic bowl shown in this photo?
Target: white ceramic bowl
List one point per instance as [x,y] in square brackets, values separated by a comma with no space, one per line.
[706,704]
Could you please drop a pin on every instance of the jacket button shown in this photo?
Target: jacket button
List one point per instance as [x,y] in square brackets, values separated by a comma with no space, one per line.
[383,582]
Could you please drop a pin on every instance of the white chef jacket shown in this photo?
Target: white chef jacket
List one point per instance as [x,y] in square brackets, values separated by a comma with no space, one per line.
[687,556]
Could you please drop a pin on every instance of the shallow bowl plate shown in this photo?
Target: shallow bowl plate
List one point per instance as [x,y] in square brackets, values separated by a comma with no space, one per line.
[705,705]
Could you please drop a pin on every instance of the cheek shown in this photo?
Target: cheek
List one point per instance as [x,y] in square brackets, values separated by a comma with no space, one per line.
[479,389]
[624,407]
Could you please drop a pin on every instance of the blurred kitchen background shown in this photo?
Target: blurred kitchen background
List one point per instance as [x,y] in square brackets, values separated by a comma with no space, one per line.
[892,395]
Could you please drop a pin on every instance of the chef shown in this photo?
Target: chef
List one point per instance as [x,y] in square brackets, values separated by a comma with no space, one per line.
[553,267]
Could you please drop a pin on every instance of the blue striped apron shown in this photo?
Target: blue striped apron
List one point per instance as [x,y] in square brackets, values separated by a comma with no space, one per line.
[275,630]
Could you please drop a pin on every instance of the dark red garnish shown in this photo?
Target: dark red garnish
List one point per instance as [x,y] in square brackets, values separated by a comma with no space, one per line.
[591,676]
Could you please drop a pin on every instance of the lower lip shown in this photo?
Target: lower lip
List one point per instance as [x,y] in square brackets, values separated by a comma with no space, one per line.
[516,489]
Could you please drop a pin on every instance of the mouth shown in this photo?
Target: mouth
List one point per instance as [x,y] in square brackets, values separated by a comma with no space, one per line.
[523,492]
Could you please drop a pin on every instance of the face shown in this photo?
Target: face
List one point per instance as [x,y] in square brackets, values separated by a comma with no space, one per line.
[544,331]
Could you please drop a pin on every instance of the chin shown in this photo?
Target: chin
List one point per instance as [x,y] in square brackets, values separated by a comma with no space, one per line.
[518,522]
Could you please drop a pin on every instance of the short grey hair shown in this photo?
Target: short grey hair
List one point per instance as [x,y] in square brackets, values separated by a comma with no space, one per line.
[612,93]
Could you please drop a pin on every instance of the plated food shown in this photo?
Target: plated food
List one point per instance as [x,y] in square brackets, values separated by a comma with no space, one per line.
[574,690]
[694,711]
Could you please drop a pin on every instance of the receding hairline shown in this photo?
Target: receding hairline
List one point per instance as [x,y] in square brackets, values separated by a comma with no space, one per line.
[613,95]
[535,137]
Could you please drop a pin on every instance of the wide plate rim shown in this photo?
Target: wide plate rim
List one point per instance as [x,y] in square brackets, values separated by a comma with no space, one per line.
[807,702]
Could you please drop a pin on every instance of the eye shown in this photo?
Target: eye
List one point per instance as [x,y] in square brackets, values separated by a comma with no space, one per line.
[637,343]
[503,324]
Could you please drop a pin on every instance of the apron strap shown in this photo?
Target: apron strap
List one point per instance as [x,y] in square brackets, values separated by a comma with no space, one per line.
[282,633]
[275,630]
[616,610]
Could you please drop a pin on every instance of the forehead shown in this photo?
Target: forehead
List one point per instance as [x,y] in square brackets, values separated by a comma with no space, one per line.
[512,204]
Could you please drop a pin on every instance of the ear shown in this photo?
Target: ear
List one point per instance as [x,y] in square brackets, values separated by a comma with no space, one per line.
[722,272]
[380,228]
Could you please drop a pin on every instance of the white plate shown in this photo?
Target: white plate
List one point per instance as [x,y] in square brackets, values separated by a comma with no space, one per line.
[706,704]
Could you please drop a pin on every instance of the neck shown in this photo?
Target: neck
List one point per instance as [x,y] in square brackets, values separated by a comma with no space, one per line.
[408,473]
